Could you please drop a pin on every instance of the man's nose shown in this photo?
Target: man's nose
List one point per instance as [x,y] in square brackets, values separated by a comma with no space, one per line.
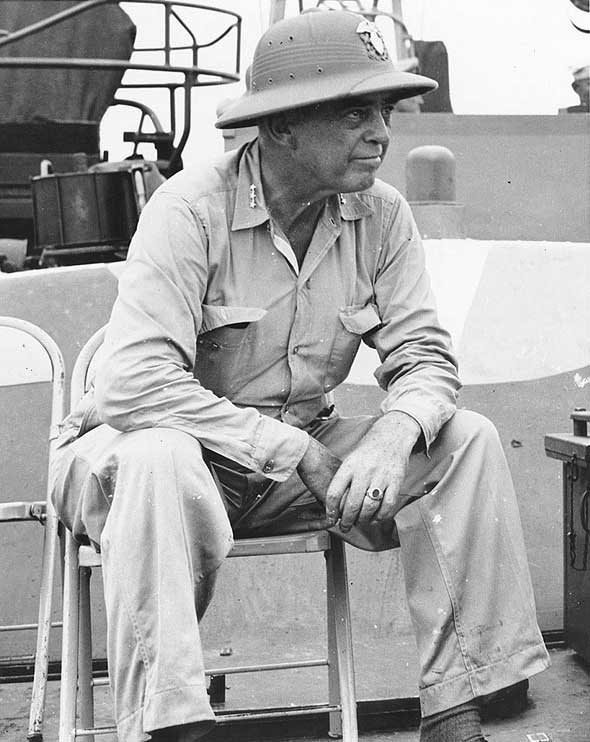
[378,128]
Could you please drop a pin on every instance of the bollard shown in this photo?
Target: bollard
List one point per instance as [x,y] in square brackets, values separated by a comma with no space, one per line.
[430,174]
[430,190]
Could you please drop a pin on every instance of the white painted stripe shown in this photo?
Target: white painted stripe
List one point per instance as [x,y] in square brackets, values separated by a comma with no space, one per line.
[455,268]
[533,321]
[531,316]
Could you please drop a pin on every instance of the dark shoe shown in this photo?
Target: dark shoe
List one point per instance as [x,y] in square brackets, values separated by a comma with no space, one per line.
[505,702]
[183,732]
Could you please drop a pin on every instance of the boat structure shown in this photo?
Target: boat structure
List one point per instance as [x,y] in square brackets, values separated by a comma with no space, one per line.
[102,102]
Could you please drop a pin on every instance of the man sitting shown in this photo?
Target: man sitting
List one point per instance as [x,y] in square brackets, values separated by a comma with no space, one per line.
[248,289]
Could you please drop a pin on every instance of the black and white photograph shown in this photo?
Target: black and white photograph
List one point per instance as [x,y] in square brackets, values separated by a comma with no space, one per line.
[294,371]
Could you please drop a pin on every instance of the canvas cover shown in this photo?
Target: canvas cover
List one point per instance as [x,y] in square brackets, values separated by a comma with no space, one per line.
[434,62]
[62,95]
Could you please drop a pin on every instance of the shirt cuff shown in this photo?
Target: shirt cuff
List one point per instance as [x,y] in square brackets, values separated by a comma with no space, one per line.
[278,449]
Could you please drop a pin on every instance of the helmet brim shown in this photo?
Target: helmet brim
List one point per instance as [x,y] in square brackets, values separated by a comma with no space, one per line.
[254,106]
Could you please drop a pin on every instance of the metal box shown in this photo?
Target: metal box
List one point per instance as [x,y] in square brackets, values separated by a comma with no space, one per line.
[574,452]
[82,209]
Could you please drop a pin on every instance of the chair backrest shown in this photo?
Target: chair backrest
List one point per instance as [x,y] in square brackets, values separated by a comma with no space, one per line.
[29,355]
[82,372]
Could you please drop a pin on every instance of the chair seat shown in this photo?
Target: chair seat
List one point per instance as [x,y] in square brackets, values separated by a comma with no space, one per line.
[295,543]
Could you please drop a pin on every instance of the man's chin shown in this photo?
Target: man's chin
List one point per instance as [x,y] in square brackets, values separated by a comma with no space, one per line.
[361,183]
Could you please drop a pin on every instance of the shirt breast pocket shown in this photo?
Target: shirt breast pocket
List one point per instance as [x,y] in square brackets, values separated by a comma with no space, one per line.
[353,323]
[224,335]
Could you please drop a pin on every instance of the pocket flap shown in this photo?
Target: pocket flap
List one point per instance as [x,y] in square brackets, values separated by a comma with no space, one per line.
[218,316]
[360,321]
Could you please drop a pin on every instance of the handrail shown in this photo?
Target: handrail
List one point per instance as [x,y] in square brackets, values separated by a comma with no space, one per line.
[192,75]
[117,64]
[145,110]
[85,5]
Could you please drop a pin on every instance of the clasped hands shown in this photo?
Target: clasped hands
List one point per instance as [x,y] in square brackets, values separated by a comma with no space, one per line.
[366,486]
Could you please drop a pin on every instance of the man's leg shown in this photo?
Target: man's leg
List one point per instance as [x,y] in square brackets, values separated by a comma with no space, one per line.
[467,579]
[149,500]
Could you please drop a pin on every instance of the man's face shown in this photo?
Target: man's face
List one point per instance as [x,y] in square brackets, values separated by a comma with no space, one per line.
[340,145]
[582,88]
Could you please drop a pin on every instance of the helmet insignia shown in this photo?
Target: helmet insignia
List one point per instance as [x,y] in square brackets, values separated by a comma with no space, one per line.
[373,40]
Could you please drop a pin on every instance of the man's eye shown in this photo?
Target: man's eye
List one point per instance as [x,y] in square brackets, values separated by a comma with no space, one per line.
[355,115]
[386,112]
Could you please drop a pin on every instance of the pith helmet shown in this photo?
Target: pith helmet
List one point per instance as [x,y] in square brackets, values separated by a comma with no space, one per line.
[316,57]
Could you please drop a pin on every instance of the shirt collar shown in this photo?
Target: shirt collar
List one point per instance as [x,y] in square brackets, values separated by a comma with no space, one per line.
[250,208]
[353,207]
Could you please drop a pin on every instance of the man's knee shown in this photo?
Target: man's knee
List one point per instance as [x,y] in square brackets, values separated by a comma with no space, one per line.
[467,427]
[157,479]
[106,463]
[164,464]
[155,448]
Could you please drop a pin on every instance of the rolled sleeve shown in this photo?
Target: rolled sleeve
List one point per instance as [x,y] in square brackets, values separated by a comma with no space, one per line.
[145,378]
[418,369]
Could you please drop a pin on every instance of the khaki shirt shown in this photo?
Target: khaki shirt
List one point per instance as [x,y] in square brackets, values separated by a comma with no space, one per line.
[218,333]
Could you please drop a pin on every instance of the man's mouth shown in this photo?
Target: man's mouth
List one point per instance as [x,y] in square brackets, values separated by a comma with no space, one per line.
[371,160]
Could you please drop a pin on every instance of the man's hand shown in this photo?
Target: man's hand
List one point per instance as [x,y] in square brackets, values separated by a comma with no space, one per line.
[317,469]
[378,464]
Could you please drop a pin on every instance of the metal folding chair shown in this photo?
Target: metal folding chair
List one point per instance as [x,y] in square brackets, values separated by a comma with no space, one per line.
[40,511]
[77,695]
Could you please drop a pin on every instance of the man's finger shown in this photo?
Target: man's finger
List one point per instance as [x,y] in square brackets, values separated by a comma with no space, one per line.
[353,504]
[390,504]
[372,503]
[335,496]
[317,524]
[390,509]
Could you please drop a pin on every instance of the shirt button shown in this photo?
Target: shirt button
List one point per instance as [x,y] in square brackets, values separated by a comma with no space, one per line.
[286,408]
[269,466]
[296,349]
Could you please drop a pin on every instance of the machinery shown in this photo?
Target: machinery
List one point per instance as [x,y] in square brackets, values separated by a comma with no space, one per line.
[64,64]
[61,201]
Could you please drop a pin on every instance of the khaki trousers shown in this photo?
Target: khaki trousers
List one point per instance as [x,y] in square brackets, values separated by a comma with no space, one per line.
[149,499]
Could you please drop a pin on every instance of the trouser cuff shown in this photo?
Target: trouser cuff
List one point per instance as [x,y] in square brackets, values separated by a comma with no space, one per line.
[483,680]
[186,705]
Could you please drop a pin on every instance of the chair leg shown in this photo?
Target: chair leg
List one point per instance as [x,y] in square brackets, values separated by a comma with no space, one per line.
[35,732]
[335,729]
[85,688]
[339,624]
[69,655]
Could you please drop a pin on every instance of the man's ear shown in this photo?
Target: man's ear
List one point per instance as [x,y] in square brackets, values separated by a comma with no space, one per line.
[281,130]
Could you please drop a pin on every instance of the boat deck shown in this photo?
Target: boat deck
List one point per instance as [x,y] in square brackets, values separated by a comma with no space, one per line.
[557,709]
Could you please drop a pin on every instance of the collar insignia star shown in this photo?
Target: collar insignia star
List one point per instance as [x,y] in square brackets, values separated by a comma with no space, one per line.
[373,40]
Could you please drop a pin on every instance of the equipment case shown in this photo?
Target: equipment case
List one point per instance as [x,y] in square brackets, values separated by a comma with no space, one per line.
[574,452]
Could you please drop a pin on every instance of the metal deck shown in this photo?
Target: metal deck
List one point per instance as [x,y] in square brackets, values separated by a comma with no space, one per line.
[557,709]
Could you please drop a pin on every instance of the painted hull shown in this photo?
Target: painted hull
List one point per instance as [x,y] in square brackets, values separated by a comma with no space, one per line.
[519,314]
